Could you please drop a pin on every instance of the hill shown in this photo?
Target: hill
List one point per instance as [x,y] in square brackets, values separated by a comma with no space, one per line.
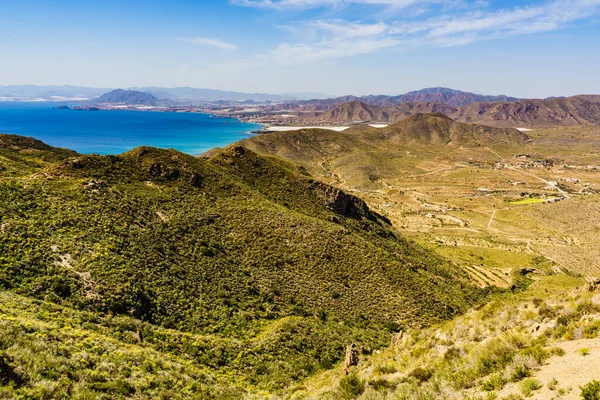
[363,152]
[570,111]
[437,128]
[241,267]
[129,97]
[353,111]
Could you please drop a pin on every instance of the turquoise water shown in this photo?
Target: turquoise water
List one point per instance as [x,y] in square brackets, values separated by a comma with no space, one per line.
[114,132]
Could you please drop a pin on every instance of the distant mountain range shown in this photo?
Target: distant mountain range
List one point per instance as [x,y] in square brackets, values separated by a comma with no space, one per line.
[189,94]
[569,111]
[437,95]
[179,94]
[309,101]
[503,111]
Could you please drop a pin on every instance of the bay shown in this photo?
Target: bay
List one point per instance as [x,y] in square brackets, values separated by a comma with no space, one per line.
[115,132]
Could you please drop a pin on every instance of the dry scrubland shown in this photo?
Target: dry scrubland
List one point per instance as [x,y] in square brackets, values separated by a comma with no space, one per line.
[488,208]
[483,205]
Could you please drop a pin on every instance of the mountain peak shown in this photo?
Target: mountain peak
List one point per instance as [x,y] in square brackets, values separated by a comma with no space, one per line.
[130,97]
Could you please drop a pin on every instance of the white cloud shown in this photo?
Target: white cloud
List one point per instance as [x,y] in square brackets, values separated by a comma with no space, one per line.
[464,29]
[340,38]
[293,53]
[210,42]
[333,39]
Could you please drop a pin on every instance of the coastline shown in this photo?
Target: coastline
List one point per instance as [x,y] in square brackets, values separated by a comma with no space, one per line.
[263,127]
[115,133]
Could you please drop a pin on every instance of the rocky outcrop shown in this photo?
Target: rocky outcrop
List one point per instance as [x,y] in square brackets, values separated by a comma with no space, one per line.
[352,357]
[344,204]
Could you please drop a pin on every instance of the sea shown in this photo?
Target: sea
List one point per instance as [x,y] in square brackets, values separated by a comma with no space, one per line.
[115,132]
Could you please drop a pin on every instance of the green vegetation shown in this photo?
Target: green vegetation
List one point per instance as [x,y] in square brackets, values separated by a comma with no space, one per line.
[528,201]
[239,272]
[591,391]
[351,386]
[529,385]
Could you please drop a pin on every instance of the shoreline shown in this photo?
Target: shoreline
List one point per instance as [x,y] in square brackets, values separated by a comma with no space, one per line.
[289,128]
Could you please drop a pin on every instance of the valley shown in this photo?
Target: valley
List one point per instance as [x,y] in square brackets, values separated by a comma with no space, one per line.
[496,202]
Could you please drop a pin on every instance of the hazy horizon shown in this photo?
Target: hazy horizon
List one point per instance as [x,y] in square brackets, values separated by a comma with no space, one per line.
[527,49]
[318,95]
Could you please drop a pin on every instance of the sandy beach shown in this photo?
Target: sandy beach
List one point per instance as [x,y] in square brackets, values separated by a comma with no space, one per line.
[268,129]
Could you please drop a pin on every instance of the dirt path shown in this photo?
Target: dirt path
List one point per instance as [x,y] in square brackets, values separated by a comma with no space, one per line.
[492,218]
[432,172]
[551,184]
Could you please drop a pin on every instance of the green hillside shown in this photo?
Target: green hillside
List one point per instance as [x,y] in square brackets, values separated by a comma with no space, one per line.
[240,268]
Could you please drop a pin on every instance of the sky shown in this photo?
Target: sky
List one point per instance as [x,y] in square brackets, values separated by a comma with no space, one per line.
[527,48]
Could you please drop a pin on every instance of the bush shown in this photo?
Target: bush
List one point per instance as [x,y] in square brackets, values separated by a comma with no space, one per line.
[529,385]
[591,391]
[386,369]
[420,374]
[382,384]
[495,382]
[584,351]
[557,351]
[521,367]
[351,386]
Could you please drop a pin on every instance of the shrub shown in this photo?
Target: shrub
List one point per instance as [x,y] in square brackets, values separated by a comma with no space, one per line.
[591,331]
[513,397]
[537,353]
[420,374]
[529,385]
[382,384]
[495,356]
[521,367]
[552,384]
[591,391]
[557,351]
[584,351]
[386,369]
[351,386]
[495,382]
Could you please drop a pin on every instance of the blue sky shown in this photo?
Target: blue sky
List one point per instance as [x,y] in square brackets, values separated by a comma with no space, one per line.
[528,48]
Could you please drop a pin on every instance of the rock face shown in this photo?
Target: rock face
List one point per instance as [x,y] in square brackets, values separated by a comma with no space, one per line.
[352,357]
[344,204]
